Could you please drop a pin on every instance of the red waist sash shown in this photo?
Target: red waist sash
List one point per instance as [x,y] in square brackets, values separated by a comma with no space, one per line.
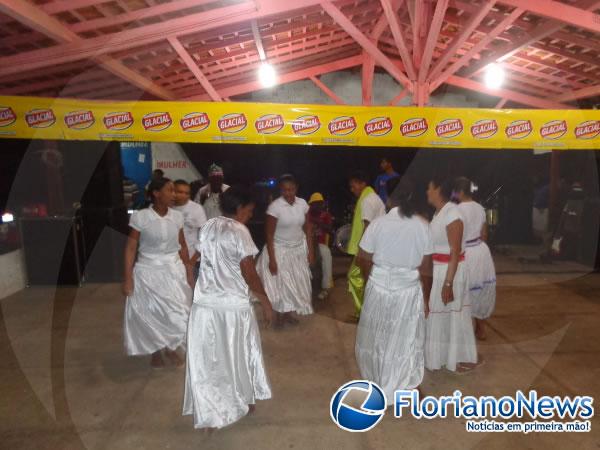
[444,258]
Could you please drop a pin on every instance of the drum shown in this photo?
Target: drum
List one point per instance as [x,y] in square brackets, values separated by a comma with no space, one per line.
[342,238]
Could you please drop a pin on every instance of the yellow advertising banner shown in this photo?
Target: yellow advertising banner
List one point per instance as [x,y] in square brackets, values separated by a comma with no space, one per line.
[267,123]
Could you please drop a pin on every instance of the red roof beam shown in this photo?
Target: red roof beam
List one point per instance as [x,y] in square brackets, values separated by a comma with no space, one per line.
[559,11]
[432,38]
[390,11]
[288,77]
[149,34]
[193,67]
[327,90]
[461,38]
[499,28]
[365,43]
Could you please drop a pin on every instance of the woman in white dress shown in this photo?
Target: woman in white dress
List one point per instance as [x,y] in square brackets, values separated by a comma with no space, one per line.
[478,259]
[225,369]
[157,283]
[284,264]
[450,341]
[395,256]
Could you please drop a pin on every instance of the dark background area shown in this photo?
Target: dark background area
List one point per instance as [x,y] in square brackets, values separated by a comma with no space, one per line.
[326,169]
[91,176]
[23,177]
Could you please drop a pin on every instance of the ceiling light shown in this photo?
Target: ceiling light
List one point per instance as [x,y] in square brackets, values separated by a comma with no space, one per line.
[494,76]
[267,75]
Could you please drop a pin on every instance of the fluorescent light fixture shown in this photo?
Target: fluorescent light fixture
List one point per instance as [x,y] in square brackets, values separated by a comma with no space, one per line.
[494,76]
[7,218]
[267,75]
[130,211]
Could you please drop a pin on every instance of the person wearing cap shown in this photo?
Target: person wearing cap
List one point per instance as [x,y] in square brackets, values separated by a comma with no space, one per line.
[209,196]
[322,222]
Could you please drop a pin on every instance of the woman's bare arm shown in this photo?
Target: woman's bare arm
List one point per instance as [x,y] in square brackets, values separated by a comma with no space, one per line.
[248,267]
[308,231]
[129,256]
[364,261]
[185,257]
[484,232]
[270,226]
[183,251]
[426,276]
[455,234]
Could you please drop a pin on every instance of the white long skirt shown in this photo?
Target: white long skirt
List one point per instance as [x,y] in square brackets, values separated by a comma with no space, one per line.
[225,368]
[391,332]
[156,314]
[290,290]
[482,280]
[449,330]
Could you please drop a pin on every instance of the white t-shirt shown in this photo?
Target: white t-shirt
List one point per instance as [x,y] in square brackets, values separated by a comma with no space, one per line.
[474,218]
[372,207]
[212,206]
[290,219]
[194,218]
[158,235]
[397,241]
[223,244]
[448,214]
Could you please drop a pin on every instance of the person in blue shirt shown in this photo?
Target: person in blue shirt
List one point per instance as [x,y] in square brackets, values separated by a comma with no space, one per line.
[388,173]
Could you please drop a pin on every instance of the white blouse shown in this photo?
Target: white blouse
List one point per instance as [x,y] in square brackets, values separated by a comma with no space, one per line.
[158,235]
[448,214]
[397,241]
[290,219]
[372,207]
[223,244]
[212,204]
[193,219]
[474,218]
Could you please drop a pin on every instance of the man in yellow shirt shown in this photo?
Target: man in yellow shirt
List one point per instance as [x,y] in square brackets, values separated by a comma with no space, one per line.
[368,207]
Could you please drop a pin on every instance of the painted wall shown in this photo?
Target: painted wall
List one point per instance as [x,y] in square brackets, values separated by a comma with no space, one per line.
[348,86]
[12,275]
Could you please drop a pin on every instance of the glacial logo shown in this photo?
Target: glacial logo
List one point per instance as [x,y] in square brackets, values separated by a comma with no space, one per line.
[232,123]
[358,406]
[157,121]
[194,122]
[269,124]
[7,116]
[414,127]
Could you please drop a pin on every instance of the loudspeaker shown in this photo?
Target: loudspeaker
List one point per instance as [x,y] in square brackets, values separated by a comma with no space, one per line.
[54,250]
[105,187]
[105,231]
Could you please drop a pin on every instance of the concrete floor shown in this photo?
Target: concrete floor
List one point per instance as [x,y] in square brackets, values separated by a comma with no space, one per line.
[66,384]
